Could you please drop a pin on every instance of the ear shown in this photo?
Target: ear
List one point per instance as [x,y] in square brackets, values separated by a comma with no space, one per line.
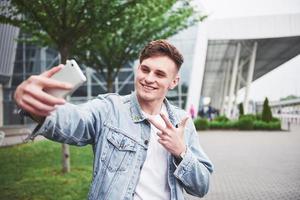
[174,82]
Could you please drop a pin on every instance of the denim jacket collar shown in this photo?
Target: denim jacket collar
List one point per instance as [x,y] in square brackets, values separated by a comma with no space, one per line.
[137,115]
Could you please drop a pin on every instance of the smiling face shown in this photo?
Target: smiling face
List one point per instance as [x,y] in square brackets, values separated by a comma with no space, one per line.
[155,76]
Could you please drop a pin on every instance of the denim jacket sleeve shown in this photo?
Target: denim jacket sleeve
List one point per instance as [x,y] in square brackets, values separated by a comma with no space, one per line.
[74,124]
[195,168]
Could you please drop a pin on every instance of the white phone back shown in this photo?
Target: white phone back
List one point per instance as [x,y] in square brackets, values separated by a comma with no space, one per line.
[70,73]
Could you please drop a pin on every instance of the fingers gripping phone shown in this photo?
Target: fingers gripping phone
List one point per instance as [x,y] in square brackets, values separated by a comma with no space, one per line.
[70,73]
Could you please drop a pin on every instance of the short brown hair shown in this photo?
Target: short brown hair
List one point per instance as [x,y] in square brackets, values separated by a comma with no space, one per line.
[162,48]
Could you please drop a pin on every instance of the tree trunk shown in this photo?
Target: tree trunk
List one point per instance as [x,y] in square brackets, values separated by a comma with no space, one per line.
[1,106]
[65,156]
[66,167]
[64,53]
[109,83]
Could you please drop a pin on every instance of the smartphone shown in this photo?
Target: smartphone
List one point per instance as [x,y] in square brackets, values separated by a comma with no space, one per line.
[70,73]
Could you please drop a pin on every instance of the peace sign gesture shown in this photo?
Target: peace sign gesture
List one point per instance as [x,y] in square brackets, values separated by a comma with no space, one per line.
[170,137]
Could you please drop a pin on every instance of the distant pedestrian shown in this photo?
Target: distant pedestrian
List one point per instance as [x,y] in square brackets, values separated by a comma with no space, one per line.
[192,112]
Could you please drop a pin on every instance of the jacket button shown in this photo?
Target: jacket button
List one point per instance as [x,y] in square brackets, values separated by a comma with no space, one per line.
[146,142]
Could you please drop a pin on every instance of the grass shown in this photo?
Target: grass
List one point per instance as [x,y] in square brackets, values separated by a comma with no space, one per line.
[33,171]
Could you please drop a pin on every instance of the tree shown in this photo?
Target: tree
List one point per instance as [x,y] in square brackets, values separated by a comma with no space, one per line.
[241,109]
[112,31]
[62,24]
[266,113]
[129,32]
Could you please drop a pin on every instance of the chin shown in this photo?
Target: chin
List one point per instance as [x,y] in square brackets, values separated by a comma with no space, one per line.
[147,96]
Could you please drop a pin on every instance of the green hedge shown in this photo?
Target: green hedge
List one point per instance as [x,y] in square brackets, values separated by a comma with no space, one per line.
[248,116]
[201,123]
[261,125]
[222,124]
[259,118]
[246,122]
[221,118]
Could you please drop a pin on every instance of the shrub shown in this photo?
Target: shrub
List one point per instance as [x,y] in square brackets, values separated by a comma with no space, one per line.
[223,124]
[248,116]
[241,109]
[221,118]
[262,125]
[245,123]
[231,125]
[275,119]
[201,123]
[276,125]
[266,113]
[216,124]
[258,116]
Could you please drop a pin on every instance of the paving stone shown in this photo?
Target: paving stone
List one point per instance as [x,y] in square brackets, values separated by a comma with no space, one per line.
[254,165]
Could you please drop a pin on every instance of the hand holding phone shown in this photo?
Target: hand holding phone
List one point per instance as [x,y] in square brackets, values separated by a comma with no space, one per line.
[70,73]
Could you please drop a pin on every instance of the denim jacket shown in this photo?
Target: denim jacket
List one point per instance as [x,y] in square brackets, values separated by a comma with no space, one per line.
[119,134]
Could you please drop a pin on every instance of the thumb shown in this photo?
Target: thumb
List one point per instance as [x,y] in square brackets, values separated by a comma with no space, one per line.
[182,125]
[52,71]
[183,122]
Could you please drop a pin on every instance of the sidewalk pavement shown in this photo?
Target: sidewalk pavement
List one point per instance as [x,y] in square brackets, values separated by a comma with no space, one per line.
[249,165]
[256,165]
[16,134]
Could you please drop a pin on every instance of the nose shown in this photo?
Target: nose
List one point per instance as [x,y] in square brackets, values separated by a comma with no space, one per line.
[149,78]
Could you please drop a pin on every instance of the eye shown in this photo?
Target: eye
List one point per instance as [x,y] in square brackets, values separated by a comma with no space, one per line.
[160,74]
[145,69]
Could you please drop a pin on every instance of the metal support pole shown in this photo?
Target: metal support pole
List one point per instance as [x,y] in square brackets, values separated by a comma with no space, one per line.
[89,83]
[213,101]
[43,59]
[233,80]
[1,105]
[222,89]
[198,68]
[127,80]
[237,88]
[117,84]
[223,84]
[250,77]
[179,95]
[24,57]
[227,78]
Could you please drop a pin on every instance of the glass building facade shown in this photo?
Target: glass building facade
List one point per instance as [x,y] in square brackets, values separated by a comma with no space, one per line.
[31,60]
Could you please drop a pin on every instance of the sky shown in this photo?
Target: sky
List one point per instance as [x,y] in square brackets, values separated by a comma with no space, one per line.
[285,79]
[238,8]
[280,82]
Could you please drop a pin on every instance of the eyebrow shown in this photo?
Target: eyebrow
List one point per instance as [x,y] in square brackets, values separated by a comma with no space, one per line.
[159,71]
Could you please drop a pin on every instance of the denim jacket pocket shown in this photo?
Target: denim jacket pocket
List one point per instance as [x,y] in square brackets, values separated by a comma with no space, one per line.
[119,151]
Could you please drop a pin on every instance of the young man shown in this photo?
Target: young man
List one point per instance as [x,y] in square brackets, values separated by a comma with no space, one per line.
[144,147]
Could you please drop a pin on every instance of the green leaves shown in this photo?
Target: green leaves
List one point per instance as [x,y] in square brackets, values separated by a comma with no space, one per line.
[129,31]
[113,31]
[266,112]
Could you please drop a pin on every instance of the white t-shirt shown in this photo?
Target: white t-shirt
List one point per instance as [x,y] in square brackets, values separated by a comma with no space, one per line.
[153,182]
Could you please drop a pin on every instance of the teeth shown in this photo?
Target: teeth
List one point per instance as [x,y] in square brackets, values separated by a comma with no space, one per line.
[147,87]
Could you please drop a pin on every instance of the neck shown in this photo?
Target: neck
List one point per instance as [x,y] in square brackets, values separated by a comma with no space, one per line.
[152,108]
